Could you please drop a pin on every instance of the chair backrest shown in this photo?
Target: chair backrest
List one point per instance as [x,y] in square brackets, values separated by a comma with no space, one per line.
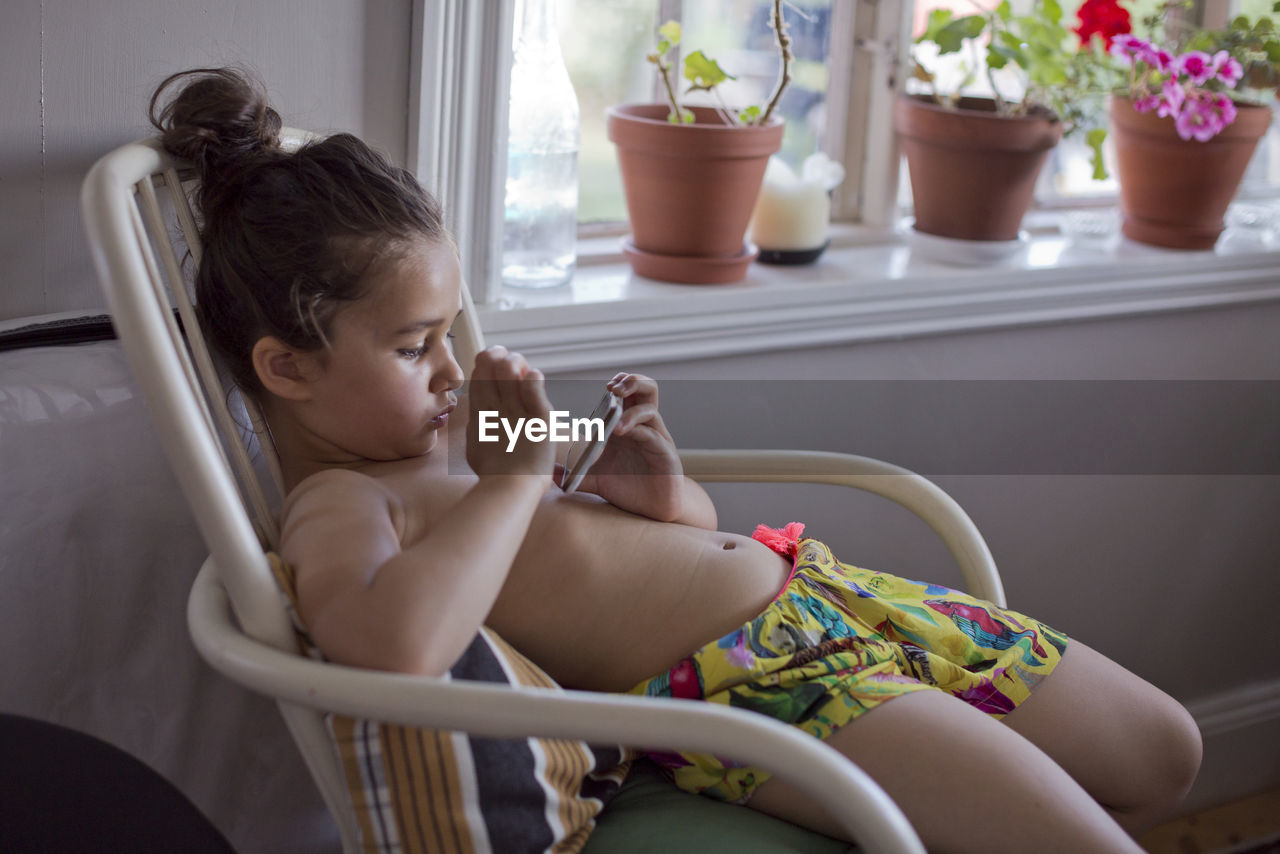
[141,227]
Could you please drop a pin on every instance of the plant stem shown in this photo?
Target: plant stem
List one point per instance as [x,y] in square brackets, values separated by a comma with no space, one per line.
[991,78]
[784,47]
[726,114]
[663,68]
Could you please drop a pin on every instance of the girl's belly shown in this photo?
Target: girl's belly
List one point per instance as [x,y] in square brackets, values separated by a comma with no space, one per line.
[602,599]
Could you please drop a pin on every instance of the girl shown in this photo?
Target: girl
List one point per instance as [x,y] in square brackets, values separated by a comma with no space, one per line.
[328,286]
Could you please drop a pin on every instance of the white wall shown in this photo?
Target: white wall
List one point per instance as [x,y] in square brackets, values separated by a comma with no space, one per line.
[76,75]
[1174,574]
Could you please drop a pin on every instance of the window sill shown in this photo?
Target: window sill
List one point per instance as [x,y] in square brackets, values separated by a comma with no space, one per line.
[869,286]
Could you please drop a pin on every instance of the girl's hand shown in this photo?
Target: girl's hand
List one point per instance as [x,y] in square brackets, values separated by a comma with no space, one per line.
[503,382]
[639,469]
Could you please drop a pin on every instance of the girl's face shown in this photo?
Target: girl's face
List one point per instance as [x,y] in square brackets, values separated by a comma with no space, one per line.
[386,384]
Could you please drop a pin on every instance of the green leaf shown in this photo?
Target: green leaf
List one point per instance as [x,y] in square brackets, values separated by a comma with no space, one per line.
[663,47]
[971,26]
[704,72]
[936,22]
[686,116]
[997,58]
[670,31]
[1240,22]
[1004,11]
[1094,139]
[749,115]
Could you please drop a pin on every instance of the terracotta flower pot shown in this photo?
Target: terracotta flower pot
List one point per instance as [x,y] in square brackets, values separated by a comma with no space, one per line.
[1173,191]
[690,190]
[972,172]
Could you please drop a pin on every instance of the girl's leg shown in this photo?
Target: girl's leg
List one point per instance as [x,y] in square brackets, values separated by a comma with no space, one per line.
[1130,745]
[964,781]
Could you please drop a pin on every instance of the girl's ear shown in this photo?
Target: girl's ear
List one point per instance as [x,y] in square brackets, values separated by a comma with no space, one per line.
[282,370]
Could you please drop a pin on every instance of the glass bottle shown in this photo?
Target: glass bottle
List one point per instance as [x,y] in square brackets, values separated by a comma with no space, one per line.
[540,214]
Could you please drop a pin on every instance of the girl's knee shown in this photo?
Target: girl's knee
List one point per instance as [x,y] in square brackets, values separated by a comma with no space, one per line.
[1162,761]
[1177,749]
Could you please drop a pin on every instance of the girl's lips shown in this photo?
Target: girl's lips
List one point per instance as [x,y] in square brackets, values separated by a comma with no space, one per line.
[443,417]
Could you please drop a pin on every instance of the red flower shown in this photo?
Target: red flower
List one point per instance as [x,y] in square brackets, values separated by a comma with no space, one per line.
[1106,18]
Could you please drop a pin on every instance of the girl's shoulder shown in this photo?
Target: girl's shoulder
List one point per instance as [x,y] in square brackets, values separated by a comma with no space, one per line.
[341,491]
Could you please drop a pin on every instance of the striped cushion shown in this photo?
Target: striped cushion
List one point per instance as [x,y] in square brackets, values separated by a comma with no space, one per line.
[427,790]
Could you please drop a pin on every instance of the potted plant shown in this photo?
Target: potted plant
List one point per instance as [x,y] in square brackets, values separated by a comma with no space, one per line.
[973,161]
[691,174]
[1184,126]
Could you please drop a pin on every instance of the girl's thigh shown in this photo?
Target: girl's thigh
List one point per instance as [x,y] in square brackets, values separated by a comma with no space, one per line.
[1130,745]
[964,781]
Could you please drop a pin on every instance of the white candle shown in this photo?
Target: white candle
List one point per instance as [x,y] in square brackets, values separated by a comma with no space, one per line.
[790,213]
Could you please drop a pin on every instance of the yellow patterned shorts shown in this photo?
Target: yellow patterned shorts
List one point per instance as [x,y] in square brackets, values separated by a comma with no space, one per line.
[838,641]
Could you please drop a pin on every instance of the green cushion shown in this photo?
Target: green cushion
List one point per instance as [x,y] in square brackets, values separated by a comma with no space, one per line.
[650,814]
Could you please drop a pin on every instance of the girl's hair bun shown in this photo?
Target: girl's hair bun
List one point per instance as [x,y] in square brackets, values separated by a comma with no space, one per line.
[219,118]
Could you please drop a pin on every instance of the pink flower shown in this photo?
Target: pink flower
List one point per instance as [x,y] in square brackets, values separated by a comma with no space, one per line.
[1147,103]
[1227,69]
[1161,60]
[1126,47]
[1202,118]
[1197,65]
[1172,95]
[1226,109]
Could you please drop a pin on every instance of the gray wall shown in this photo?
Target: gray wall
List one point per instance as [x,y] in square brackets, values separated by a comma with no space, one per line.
[1173,573]
[76,75]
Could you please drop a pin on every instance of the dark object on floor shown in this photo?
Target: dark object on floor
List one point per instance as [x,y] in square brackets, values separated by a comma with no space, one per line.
[66,792]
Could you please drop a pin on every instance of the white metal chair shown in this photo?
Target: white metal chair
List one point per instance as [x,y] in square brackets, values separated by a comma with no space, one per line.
[124,200]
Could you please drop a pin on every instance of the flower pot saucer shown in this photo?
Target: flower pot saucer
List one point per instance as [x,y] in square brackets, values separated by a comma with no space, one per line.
[690,269]
[965,253]
[791,257]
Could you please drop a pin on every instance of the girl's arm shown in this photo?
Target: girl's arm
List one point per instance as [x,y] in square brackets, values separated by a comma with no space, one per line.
[368,602]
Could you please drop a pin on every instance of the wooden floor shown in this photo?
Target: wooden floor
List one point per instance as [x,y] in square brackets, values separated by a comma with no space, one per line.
[1251,825]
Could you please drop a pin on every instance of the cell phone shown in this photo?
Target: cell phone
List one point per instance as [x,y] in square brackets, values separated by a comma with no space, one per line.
[584,452]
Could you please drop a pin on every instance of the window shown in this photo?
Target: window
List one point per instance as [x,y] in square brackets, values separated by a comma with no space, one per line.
[850,55]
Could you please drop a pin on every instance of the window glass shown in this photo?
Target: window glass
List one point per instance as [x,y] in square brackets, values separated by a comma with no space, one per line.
[1263,175]
[604,47]
[736,33]
[605,44]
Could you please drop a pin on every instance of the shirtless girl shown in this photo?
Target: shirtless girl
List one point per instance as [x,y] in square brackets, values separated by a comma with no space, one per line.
[329,287]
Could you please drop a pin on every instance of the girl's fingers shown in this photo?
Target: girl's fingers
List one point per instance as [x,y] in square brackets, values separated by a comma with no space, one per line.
[533,394]
[640,413]
[634,386]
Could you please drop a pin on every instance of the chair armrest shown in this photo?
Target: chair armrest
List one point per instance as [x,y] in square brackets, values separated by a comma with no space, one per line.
[915,492]
[496,711]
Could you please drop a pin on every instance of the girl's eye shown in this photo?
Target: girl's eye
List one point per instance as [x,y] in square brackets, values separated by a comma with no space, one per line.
[417,352]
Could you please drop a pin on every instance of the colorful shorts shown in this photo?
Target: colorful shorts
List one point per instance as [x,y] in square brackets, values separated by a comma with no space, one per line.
[838,641]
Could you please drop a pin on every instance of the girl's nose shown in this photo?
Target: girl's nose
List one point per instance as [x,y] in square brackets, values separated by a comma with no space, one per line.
[449,376]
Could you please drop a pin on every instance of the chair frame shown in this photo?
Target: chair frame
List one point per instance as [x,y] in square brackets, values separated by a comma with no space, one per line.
[257,648]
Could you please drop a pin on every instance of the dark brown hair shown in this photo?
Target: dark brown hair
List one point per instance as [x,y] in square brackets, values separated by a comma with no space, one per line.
[288,237]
